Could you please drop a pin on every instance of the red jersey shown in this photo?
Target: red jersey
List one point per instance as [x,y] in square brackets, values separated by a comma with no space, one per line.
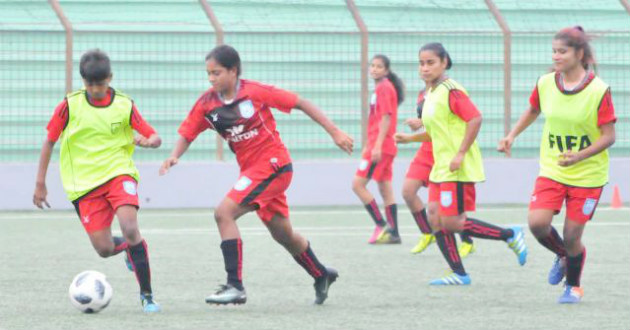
[426,146]
[246,123]
[59,120]
[384,102]
[606,111]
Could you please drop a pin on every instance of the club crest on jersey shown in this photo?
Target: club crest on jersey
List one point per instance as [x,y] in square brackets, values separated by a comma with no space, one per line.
[242,183]
[446,198]
[373,99]
[246,108]
[130,187]
[363,164]
[116,127]
[589,206]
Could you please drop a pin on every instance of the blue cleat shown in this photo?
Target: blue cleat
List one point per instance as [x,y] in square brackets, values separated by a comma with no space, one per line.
[556,274]
[128,262]
[452,279]
[517,244]
[571,295]
[148,304]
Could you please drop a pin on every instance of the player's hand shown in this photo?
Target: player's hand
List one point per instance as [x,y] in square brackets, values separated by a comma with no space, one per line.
[456,163]
[377,155]
[414,123]
[569,158]
[402,138]
[505,145]
[154,141]
[167,164]
[343,141]
[39,197]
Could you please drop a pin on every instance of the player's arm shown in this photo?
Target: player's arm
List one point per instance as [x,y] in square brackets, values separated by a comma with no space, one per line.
[342,140]
[463,107]
[526,119]
[180,148]
[383,127]
[39,196]
[416,137]
[148,137]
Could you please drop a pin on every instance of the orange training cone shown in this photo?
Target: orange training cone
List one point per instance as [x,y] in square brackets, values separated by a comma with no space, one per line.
[616,198]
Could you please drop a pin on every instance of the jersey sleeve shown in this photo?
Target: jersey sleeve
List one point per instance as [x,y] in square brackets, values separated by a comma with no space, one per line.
[534,100]
[139,124]
[58,121]
[195,122]
[385,101]
[462,106]
[277,98]
[606,111]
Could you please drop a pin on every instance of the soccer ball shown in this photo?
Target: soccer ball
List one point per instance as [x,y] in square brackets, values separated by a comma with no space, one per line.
[90,292]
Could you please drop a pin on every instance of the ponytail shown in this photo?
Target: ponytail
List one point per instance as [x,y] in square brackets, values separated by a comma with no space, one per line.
[399,86]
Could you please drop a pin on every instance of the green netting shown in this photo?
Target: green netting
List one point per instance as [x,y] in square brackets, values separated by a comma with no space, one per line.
[310,47]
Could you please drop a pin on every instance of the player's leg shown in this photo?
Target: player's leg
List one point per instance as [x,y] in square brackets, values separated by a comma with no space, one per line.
[581,205]
[546,201]
[138,254]
[359,186]
[448,246]
[282,232]
[391,212]
[225,216]
[418,211]
[457,198]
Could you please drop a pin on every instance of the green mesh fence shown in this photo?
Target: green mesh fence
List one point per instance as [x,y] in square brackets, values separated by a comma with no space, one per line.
[310,47]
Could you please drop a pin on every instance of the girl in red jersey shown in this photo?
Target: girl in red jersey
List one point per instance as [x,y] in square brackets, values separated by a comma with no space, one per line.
[239,110]
[378,156]
[579,128]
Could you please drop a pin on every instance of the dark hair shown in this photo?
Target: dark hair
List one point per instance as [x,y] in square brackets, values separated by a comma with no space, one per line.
[576,37]
[94,66]
[227,56]
[439,50]
[393,78]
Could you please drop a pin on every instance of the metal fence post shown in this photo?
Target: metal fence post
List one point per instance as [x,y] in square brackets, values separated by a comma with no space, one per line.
[364,68]
[507,65]
[67,26]
[218,30]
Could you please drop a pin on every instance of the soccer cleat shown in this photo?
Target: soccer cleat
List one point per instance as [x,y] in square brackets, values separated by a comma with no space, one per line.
[571,295]
[387,237]
[452,279]
[517,244]
[423,243]
[556,274]
[128,262]
[378,231]
[148,304]
[322,284]
[465,249]
[227,294]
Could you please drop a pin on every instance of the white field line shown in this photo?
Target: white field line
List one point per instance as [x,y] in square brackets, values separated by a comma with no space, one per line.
[184,214]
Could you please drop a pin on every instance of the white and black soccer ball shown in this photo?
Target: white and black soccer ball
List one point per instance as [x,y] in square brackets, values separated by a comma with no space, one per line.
[90,292]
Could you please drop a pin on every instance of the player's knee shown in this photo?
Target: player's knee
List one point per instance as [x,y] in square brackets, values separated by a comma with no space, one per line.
[357,186]
[409,194]
[539,230]
[103,252]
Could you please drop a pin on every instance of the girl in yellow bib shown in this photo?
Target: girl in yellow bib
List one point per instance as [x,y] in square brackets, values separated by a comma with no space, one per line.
[579,128]
[452,122]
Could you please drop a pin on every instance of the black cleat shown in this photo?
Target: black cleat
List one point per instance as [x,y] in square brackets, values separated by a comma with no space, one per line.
[227,294]
[323,283]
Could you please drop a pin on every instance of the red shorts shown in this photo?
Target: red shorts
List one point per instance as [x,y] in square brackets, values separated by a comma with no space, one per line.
[381,171]
[264,187]
[420,167]
[97,208]
[455,198]
[581,202]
